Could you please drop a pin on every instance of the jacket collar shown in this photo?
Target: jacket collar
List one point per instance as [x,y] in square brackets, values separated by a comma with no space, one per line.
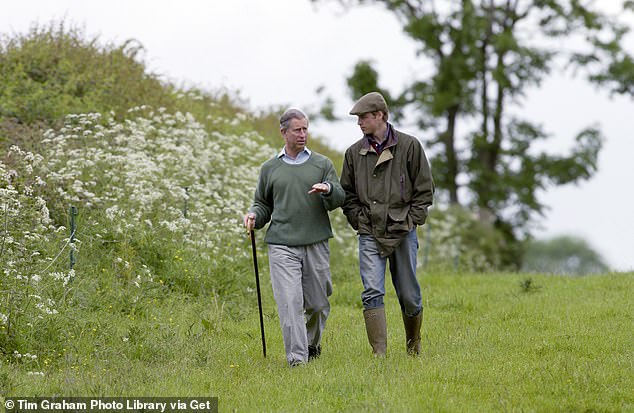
[392,140]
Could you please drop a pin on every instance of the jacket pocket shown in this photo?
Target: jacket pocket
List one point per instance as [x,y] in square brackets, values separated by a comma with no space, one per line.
[399,221]
[363,221]
[405,188]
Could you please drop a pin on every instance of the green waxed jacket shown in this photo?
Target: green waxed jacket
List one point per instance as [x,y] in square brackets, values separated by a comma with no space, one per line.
[388,195]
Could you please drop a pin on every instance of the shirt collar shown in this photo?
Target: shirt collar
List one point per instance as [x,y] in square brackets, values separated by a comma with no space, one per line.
[390,138]
[283,152]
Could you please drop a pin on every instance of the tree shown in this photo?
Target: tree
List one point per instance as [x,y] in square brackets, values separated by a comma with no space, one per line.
[484,56]
[563,255]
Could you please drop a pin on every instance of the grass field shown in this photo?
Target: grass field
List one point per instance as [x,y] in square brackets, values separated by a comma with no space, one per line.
[491,342]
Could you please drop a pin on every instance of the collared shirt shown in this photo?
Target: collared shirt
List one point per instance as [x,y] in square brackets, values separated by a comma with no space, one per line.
[378,147]
[299,159]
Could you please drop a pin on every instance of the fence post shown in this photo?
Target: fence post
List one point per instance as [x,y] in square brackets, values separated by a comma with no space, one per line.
[73,228]
[427,245]
[186,201]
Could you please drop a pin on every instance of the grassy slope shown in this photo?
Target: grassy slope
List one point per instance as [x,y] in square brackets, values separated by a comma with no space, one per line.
[564,344]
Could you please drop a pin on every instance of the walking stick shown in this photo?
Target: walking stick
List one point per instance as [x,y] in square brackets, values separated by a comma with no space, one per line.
[257,283]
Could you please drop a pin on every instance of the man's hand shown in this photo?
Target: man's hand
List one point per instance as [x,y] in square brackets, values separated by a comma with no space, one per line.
[321,188]
[249,221]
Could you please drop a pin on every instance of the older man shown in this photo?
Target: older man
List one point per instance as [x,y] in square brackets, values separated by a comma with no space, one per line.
[295,191]
[389,187]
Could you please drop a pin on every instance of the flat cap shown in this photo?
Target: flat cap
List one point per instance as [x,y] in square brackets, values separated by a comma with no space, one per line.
[370,102]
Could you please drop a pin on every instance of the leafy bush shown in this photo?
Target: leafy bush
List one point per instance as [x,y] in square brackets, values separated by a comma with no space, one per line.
[563,255]
[159,182]
[54,71]
[455,239]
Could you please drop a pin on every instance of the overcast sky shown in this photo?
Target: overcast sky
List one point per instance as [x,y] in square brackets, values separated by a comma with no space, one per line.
[278,52]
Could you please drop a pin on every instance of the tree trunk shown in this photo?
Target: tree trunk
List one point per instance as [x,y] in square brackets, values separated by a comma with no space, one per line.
[449,139]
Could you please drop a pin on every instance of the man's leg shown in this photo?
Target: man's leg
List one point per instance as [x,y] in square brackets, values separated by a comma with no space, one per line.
[286,278]
[317,285]
[372,269]
[403,270]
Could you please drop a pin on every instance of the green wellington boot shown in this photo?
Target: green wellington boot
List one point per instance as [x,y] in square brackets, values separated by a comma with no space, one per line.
[376,327]
[412,332]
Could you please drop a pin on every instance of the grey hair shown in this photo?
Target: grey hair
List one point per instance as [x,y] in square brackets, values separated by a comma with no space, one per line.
[291,113]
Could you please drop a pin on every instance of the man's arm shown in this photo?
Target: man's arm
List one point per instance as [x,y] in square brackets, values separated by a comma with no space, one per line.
[262,202]
[351,204]
[422,185]
[335,197]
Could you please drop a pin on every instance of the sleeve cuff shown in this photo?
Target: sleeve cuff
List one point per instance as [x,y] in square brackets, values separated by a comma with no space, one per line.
[329,189]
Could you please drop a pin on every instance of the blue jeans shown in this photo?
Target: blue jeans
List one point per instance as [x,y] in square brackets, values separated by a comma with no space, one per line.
[402,268]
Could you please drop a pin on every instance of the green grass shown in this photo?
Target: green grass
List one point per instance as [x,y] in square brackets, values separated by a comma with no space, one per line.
[490,343]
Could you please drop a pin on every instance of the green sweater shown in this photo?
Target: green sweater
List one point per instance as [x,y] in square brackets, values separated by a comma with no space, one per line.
[297,217]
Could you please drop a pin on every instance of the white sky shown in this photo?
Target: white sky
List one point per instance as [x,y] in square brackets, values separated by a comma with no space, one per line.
[277,52]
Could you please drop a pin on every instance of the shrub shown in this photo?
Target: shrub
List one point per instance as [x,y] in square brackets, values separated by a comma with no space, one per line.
[455,239]
[54,71]
[563,255]
[158,183]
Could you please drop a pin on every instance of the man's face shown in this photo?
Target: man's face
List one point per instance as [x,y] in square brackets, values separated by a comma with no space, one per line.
[369,122]
[296,136]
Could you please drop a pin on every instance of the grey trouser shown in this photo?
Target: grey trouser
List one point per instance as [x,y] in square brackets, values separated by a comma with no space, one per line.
[301,285]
